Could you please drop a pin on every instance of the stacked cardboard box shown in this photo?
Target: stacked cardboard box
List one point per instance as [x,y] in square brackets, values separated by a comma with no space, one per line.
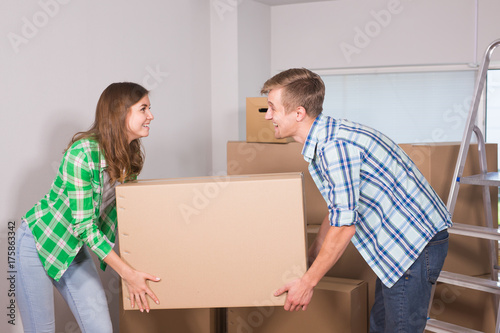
[337,306]
[258,128]
[174,320]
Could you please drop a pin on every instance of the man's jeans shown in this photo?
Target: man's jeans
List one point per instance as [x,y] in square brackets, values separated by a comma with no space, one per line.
[80,286]
[403,307]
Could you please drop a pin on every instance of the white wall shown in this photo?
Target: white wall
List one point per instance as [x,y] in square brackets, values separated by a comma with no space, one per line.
[63,55]
[488,26]
[254,54]
[240,49]
[224,79]
[372,33]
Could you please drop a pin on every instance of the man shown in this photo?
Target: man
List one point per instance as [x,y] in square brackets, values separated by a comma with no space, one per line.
[376,197]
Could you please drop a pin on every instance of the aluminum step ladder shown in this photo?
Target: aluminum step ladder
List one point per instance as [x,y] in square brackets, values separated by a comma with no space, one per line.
[490,231]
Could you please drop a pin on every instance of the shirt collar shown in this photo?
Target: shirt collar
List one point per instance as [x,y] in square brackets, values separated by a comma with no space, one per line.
[311,142]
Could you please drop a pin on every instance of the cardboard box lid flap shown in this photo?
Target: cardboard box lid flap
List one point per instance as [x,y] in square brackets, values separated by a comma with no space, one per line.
[338,284]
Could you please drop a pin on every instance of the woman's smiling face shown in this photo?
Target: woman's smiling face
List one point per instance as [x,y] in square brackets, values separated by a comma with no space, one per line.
[138,119]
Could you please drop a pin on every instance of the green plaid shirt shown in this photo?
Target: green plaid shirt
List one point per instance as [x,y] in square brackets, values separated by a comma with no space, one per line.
[69,215]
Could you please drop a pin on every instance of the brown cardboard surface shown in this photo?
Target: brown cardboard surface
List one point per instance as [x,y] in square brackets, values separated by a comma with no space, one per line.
[255,158]
[170,320]
[258,128]
[214,241]
[437,162]
[337,305]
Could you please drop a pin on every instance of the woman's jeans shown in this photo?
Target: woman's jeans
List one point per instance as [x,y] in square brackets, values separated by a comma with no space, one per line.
[80,286]
[403,307]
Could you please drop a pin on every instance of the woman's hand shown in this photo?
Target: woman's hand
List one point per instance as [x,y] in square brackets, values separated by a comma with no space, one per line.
[138,289]
[135,281]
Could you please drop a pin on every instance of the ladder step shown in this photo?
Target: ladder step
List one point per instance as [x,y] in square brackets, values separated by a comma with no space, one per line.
[438,326]
[486,285]
[475,231]
[489,179]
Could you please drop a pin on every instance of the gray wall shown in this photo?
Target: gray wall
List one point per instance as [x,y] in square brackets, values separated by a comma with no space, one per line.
[56,58]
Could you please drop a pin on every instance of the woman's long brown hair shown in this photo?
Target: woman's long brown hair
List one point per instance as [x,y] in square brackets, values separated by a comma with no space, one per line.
[124,160]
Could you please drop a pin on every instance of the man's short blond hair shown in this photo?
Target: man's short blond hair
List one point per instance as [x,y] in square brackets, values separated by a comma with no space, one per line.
[301,88]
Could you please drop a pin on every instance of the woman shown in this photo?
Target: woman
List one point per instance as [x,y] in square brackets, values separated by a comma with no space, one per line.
[80,210]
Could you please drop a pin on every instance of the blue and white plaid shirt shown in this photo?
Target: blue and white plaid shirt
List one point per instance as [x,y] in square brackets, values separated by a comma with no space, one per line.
[369,181]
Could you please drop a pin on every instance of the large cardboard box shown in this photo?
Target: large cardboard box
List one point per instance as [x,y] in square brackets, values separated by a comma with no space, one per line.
[258,128]
[214,241]
[337,306]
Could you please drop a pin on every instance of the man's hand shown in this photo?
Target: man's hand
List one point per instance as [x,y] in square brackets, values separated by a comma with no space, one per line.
[334,242]
[299,294]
